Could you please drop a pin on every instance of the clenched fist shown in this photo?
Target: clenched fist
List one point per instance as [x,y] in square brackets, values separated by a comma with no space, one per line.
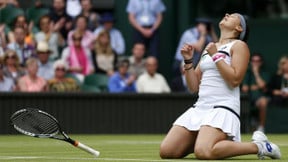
[187,51]
[211,48]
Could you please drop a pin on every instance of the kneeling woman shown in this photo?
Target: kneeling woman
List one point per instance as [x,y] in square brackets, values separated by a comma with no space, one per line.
[211,128]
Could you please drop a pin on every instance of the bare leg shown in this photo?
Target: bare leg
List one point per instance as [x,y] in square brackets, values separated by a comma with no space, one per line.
[212,143]
[261,104]
[178,143]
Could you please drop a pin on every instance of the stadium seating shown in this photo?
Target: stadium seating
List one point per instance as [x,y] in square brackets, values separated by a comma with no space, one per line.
[34,14]
[99,81]
[9,13]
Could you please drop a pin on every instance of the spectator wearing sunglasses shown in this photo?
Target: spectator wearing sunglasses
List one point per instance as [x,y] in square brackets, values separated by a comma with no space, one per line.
[6,84]
[60,83]
[11,66]
[78,58]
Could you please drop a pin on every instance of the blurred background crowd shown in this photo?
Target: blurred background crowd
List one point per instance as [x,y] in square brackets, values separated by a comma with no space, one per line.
[71,45]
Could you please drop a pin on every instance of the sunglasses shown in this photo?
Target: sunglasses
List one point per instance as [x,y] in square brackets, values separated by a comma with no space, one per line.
[77,39]
[13,57]
[256,60]
[60,69]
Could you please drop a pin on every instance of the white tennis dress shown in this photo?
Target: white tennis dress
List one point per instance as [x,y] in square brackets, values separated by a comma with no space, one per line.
[218,104]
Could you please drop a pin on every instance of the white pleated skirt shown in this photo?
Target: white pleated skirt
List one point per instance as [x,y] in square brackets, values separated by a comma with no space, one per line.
[220,118]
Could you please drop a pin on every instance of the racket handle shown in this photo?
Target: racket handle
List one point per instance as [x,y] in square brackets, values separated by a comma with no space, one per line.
[87,148]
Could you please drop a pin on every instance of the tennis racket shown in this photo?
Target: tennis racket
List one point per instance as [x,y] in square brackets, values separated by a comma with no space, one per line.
[37,123]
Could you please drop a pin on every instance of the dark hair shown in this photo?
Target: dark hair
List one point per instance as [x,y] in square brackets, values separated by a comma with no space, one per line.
[123,63]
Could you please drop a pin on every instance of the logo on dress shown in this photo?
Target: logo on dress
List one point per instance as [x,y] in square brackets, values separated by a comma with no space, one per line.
[223,47]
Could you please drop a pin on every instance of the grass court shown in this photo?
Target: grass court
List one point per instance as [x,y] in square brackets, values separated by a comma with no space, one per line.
[113,148]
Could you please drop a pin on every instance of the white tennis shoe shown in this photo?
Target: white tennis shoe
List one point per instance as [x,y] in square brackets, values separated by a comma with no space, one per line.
[265,147]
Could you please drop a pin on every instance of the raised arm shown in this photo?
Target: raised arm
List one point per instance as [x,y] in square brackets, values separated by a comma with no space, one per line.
[192,75]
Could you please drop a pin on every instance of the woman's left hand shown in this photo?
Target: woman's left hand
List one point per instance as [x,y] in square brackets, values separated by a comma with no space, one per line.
[211,48]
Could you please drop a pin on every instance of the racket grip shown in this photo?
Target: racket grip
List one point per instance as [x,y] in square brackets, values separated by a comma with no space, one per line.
[87,149]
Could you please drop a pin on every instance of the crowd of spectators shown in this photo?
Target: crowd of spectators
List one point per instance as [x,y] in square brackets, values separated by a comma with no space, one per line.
[71,41]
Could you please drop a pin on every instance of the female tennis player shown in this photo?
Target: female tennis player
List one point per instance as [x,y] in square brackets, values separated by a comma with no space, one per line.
[211,128]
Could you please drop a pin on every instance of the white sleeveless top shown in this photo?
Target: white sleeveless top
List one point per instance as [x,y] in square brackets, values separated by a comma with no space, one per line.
[213,90]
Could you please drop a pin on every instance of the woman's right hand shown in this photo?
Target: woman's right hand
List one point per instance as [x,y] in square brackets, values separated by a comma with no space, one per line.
[187,51]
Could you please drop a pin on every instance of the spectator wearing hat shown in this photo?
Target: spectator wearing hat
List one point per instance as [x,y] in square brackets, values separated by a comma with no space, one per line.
[198,36]
[45,69]
[122,81]
[146,17]
[60,83]
[117,41]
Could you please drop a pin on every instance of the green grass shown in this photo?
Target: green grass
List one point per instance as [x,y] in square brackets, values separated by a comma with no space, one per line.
[113,148]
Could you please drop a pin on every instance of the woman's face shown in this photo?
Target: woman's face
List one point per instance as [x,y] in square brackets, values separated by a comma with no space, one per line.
[104,39]
[11,58]
[21,21]
[32,68]
[81,23]
[60,72]
[45,24]
[77,40]
[284,66]
[230,21]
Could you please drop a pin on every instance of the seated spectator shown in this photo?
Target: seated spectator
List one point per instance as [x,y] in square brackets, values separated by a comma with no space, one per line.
[122,81]
[3,41]
[103,56]
[137,61]
[47,34]
[12,68]
[88,37]
[278,84]
[21,21]
[255,84]
[45,65]
[23,50]
[62,22]
[151,81]
[93,17]
[78,58]
[6,83]
[60,83]
[116,39]
[178,84]
[31,82]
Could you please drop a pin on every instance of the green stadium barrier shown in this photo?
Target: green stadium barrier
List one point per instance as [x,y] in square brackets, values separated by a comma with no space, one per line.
[105,113]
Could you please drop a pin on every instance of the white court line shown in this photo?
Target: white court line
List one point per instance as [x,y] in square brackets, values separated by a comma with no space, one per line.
[59,158]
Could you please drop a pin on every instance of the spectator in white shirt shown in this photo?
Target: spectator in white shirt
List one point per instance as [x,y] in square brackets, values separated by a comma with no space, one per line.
[151,81]
[117,41]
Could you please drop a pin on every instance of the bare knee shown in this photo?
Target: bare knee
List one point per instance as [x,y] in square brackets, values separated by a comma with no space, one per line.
[204,153]
[168,152]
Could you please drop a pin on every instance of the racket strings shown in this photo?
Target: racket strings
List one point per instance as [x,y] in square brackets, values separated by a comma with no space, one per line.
[36,123]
